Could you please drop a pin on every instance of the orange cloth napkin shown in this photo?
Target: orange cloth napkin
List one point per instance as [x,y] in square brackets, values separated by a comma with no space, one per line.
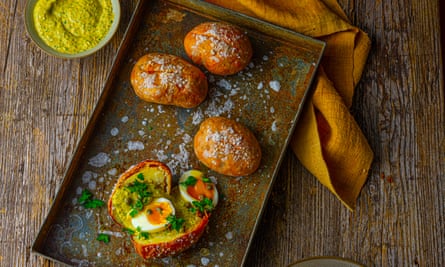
[327,140]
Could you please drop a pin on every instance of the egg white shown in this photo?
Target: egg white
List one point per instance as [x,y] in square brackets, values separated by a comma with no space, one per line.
[141,221]
[183,189]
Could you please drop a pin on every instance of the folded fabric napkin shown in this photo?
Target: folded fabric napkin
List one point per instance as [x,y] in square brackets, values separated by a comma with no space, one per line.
[327,140]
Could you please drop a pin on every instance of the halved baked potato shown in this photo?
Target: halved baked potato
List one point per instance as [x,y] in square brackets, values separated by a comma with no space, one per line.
[160,221]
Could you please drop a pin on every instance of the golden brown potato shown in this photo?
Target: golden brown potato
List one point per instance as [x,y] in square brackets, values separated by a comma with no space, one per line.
[172,246]
[221,48]
[227,147]
[168,79]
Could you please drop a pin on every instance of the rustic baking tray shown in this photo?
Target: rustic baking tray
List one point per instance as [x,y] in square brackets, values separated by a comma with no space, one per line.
[267,97]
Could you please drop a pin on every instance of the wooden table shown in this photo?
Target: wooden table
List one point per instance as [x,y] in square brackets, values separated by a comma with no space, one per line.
[45,104]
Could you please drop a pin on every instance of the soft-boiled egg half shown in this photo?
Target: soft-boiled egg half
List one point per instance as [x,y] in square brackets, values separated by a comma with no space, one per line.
[194,186]
[153,218]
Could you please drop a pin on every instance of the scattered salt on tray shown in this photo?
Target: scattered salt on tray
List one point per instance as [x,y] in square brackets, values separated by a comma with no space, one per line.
[224,84]
[124,119]
[135,145]
[114,131]
[275,85]
[99,160]
[260,85]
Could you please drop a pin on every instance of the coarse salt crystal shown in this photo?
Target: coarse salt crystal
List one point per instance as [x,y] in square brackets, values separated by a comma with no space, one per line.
[224,84]
[274,127]
[114,131]
[197,117]
[229,235]
[275,85]
[135,145]
[99,160]
[88,176]
[112,171]
[260,86]
[92,185]
[205,261]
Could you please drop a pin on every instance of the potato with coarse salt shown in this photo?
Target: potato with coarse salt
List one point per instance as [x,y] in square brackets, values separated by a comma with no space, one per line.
[222,48]
[227,147]
[169,80]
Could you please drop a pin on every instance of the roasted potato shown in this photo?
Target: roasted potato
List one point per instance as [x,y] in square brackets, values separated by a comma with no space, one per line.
[227,147]
[222,48]
[169,80]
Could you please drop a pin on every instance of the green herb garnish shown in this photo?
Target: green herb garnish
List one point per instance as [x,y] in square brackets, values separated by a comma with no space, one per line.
[133,212]
[143,235]
[175,222]
[103,237]
[141,189]
[206,180]
[190,181]
[206,204]
[129,231]
[86,199]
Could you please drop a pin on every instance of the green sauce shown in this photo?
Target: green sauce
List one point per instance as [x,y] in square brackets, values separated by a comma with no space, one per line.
[73,26]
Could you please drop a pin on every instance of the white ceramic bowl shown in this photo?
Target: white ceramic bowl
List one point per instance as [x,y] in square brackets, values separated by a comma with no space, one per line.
[30,27]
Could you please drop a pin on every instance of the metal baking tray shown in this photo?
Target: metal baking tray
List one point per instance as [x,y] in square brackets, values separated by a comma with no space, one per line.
[267,97]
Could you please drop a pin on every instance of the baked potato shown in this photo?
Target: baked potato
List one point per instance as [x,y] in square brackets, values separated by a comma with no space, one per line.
[222,48]
[160,221]
[169,80]
[227,147]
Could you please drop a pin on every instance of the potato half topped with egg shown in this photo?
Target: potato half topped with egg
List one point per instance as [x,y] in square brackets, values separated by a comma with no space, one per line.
[162,221]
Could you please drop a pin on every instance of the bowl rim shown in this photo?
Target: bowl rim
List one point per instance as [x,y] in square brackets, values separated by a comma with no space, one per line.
[30,28]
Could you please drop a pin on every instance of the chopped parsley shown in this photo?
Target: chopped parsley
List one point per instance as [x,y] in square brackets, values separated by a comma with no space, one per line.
[190,181]
[206,180]
[103,237]
[141,189]
[175,222]
[86,199]
[133,212]
[206,204]
[140,176]
[141,234]
[129,231]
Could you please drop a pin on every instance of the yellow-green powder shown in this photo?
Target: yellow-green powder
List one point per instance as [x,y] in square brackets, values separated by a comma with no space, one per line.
[73,26]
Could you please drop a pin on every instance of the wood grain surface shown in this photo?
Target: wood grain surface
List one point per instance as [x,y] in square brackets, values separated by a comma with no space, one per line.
[45,104]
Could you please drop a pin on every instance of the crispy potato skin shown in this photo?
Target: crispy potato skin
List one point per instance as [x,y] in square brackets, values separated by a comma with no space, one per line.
[227,147]
[172,247]
[169,80]
[222,48]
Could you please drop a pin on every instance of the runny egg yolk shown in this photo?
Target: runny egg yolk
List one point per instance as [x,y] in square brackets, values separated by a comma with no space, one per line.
[157,212]
[201,190]
[195,187]
[153,217]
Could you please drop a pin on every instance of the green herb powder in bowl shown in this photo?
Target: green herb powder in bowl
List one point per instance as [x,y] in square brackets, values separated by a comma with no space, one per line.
[72,29]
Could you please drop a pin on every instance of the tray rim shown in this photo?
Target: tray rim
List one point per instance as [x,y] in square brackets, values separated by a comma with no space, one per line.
[194,6]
